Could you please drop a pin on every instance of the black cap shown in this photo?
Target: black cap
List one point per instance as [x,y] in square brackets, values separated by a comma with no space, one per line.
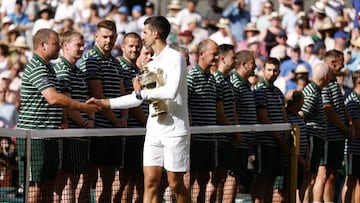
[19,2]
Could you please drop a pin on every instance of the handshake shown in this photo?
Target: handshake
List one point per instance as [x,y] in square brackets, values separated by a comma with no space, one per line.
[126,100]
[148,80]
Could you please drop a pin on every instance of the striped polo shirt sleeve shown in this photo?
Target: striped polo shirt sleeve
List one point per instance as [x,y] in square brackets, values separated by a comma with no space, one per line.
[63,75]
[39,77]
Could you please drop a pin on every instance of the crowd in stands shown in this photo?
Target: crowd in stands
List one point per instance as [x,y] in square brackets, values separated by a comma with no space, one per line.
[298,38]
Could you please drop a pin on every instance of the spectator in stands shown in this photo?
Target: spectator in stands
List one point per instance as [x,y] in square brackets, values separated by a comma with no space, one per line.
[75,151]
[12,35]
[21,51]
[5,62]
[67,24]
[226,116]
[5,24]
[352,55]
[104,79]
[149,11]
[296,37]
[238,17]
[256,7]
[124,24]
[131,173]
[7,7]
[66,10]
[264,20]
[212,16]
[306,46]
[268,36]
[351,186]
[251,35]
[136,12]
[280,50]
[203,94]
[186,39]
[14,73]
[337,130]
[31,9]
[89,26]
[246,115]
[19,18]
[44,168]
[223,35]
[186,13]
[174,8]
[341,39]
[44,20]
[319,51]
[320,17]
[289,20]
[327,32]
[196,29]
[314,115]
[300,73]
[289,66]
[270,146]
[334,8]
[8,111]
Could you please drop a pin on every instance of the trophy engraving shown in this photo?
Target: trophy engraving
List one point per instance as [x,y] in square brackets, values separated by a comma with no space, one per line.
[150,80]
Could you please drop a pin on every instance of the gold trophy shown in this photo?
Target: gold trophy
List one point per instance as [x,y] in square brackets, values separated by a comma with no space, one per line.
[150,80]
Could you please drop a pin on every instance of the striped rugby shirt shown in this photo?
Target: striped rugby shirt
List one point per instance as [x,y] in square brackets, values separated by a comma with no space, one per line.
[313,109]
[202,97]
[226,94]
[353,107]
[129,72]
[332,95]
[108,71]
[72,81]
[35,111]
[245,106]
[270,97]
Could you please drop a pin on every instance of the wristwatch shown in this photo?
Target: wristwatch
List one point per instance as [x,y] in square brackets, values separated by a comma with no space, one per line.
[138,95]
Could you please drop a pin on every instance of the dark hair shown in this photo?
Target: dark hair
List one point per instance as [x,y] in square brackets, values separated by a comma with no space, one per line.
[356,77]
[295,96]
[5,49]
[272,60]
[107,24]
[242,56]
[334,54]
[160,24]
[225,48]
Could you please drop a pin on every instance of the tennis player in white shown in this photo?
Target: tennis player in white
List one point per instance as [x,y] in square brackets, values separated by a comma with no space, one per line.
[167,141]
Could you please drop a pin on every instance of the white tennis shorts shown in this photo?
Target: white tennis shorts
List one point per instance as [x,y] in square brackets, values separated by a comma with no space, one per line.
[172,153]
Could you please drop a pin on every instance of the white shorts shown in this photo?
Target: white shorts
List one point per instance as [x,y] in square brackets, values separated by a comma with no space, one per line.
[172,153]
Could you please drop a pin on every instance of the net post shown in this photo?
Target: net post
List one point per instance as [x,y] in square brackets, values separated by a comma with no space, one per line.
[27,164]
[294,153]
